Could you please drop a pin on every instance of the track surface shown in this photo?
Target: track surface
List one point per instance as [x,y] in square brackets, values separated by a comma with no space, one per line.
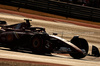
[65,30]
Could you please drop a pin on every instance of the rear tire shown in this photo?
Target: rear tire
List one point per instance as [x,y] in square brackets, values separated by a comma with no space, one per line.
[82,44]
[37,45]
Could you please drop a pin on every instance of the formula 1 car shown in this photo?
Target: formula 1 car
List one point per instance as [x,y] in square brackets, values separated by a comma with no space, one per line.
[23,36]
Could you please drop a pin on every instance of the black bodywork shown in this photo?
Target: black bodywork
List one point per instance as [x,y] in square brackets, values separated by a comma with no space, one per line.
[22,35]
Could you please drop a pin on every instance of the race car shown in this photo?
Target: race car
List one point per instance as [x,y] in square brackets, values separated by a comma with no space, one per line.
[36,39]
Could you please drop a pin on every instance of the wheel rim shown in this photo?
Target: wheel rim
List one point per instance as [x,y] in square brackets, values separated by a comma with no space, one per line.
[36,42]
[9,37]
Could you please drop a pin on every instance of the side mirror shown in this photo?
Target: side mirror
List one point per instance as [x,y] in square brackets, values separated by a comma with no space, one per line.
[27,19]
[55,34]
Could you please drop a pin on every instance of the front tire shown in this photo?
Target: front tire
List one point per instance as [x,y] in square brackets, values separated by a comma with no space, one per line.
[82,44]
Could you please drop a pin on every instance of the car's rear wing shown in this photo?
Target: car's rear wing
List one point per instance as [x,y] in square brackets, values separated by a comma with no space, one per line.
[3,23]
